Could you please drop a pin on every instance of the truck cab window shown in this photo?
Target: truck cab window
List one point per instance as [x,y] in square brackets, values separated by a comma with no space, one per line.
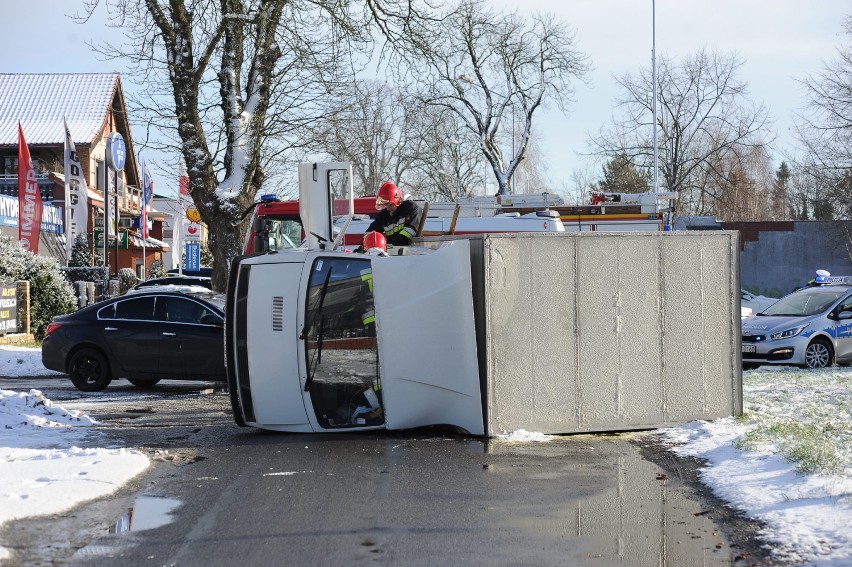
[340,344]
[282,234]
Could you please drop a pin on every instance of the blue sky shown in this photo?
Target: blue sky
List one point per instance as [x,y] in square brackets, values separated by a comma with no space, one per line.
[781,41]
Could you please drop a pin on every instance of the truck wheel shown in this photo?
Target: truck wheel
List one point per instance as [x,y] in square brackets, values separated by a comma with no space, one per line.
[143,382]
[89,370]
[819,354]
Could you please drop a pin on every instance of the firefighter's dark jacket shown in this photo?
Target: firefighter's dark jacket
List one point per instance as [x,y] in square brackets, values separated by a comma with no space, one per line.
[399,227]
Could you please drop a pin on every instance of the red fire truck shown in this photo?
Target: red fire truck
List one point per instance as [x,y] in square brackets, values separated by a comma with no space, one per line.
[276,224]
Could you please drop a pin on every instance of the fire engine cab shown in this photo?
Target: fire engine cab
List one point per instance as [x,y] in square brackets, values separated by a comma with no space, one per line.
[277,225]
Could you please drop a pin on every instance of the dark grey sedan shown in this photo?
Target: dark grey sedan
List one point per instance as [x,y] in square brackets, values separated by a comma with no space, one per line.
[143,337]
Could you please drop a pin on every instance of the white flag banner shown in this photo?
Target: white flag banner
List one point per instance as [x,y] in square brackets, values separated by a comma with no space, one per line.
[109,203]
[118,186]
[184,201]
[76,196]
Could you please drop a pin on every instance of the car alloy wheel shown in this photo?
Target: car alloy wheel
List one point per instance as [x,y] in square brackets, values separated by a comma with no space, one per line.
[818,354]
[89,370]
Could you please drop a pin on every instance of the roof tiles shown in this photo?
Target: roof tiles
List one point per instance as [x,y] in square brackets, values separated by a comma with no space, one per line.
[40,100]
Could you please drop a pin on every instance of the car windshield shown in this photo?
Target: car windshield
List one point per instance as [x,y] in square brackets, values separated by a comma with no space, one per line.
[805,302]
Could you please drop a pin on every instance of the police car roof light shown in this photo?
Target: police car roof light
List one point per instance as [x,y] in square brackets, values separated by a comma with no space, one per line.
[268,198]
[822,276]
[836,280]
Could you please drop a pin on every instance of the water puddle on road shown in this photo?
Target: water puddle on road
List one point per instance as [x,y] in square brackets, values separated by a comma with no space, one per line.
[147,512]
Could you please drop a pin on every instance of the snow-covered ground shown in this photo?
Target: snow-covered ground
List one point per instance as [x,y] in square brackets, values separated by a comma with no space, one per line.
[42,468]
[787,461]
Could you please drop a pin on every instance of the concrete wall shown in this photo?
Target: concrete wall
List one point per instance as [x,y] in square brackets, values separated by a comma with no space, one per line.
[778,257]
[585,332]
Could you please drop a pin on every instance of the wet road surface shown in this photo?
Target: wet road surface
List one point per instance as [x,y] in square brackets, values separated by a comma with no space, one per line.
[217,494]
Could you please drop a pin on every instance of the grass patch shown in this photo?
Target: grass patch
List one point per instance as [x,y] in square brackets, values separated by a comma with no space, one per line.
[810,447]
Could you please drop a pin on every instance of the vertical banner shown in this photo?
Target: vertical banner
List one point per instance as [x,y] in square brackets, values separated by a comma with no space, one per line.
[118,191]
[109,202]
[105,232]
[76,196]
[184,201]
[147,194]
[29,197]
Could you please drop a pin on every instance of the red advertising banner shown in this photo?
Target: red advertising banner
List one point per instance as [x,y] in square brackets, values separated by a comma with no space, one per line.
[29,198]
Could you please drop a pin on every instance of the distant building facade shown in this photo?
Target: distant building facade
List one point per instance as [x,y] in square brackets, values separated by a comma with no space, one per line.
[93,106]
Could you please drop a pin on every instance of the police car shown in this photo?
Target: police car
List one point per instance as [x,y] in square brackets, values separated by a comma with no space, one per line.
[811,327]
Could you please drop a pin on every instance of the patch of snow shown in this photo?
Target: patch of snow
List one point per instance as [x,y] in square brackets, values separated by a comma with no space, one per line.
[524,436]
[42,468]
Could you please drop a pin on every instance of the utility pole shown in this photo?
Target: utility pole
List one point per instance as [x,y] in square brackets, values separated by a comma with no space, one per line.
[654,80]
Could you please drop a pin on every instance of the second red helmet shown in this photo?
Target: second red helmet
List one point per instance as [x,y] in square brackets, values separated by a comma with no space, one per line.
[388,193]
[375,239]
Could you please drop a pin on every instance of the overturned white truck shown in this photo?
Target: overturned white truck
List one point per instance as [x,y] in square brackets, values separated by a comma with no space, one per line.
[549,332]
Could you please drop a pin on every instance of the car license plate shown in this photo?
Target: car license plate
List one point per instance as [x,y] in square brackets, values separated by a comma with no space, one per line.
[749,348]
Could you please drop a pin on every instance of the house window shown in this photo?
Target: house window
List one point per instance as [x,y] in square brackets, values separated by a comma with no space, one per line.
[99,180]
[10,165]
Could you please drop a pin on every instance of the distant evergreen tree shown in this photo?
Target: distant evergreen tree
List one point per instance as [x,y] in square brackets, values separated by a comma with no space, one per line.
[823,210]
[621,176]
[781,207]
[126,279]
[50,293]
[157,270]
[81,251]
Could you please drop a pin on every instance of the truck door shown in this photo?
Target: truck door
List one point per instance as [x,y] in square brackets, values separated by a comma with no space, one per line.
[341,382]
[270,344]
[427,340]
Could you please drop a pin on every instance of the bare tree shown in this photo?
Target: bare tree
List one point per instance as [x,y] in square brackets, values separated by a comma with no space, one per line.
[531,174]
[234,83]
[741,187]
[378,129]
[577,191]
[387,135]
[493,69]
[705,117]
[825,129]
[449,168]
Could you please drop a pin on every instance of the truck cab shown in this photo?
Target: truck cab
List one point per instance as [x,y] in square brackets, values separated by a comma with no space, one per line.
[320,339]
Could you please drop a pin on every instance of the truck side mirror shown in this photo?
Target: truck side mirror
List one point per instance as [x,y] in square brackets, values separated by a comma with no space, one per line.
[260,228]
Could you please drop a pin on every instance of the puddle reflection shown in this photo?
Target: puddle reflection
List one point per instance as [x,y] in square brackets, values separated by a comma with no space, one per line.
[147,512]
[632,516]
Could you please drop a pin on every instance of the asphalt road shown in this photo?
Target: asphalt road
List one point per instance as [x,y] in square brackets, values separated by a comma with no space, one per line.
[217,494]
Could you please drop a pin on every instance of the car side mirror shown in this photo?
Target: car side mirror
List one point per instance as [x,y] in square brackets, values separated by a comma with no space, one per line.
[844,315]
[210,319]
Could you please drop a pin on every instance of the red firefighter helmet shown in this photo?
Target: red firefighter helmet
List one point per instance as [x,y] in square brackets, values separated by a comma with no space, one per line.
[375,239]
[388,193]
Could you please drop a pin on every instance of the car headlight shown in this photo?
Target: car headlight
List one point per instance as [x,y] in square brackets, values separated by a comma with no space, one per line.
[786,334]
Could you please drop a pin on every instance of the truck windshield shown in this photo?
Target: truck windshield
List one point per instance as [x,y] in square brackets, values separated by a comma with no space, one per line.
[281,234]
[340,344]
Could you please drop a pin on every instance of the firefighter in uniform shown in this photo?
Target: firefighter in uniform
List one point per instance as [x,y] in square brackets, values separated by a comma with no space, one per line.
[374,243]
[399,219]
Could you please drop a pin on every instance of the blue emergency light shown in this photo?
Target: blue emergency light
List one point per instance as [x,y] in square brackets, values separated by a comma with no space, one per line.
[269,198]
